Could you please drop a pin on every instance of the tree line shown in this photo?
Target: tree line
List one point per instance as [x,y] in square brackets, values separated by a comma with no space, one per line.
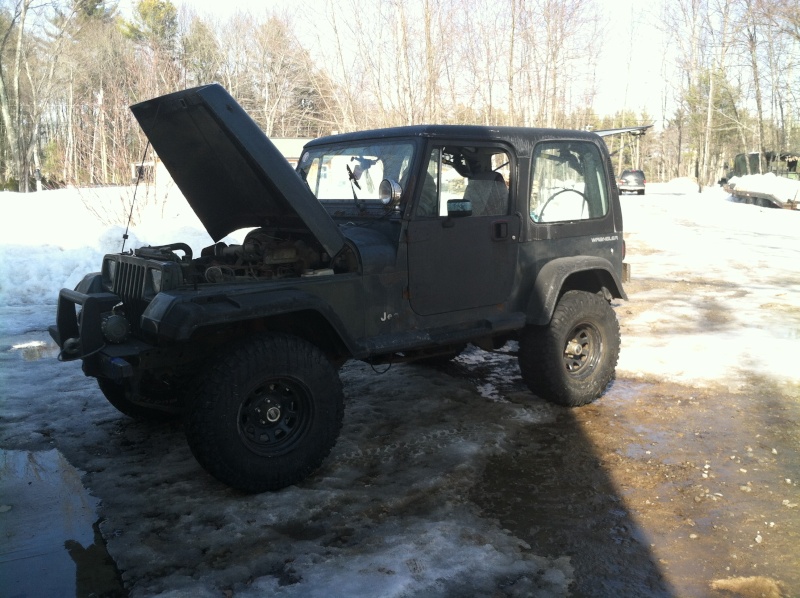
[69,69]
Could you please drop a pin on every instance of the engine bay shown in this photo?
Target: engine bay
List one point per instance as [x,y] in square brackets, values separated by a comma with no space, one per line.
[265,254]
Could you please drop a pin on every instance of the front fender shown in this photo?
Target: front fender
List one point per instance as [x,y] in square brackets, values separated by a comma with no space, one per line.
[177,318]
[585,273]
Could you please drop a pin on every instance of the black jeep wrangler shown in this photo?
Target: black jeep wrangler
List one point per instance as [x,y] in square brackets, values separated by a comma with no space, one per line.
[384,246]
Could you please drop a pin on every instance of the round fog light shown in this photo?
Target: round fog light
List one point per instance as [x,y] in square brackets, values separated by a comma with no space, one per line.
[389,192]
[115,328]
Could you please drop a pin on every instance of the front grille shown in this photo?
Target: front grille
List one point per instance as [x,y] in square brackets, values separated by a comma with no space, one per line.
[129,284]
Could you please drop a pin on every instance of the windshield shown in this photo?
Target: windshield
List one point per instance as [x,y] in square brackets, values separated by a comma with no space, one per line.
[354,171]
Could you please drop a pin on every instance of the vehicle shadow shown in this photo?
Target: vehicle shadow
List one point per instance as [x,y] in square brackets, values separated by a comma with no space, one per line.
[553,493]
[551,490]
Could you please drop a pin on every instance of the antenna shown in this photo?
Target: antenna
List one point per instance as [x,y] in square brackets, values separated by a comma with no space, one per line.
[139,175]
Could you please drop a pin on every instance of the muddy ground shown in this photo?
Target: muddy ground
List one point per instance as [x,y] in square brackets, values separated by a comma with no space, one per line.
[661,489]
[657,489]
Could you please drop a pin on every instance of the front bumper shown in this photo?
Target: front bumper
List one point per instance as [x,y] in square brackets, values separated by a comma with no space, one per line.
[77,329]
[78,332]
[631,188]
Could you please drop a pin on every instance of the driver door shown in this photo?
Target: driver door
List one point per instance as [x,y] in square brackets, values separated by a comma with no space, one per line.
[463,259]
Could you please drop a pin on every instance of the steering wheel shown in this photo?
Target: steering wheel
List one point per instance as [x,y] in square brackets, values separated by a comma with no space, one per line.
[556,194]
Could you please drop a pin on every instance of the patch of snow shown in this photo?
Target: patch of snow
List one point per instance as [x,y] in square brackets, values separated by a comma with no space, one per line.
[717,300]
[782,188]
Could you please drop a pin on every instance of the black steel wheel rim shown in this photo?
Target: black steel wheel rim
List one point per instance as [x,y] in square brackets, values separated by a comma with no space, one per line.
[582,350]
[275,416]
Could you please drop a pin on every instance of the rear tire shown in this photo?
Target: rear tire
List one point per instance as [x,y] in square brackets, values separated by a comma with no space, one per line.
[267,413]
[571,361]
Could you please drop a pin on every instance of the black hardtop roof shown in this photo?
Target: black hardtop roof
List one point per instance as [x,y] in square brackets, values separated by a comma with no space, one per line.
[520,137]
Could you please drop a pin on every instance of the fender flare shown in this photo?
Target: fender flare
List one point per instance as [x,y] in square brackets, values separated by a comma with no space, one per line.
[179,320]
[599,276]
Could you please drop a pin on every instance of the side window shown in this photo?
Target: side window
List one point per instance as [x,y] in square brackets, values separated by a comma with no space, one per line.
[568,182]
[478,174]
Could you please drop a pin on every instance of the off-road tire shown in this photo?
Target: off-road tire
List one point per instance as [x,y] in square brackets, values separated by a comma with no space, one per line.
[267,412]
[551,364]
[115,393]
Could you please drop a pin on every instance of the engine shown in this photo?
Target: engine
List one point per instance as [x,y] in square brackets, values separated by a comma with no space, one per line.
[263,255]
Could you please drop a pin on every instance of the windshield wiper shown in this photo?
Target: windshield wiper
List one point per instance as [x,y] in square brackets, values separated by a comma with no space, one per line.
[354,185]
[352,177]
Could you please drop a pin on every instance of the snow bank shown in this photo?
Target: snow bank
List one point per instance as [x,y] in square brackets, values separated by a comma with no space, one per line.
[51,239]
[781,188]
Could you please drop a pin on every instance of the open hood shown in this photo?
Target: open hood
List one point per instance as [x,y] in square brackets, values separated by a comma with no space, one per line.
[229,171]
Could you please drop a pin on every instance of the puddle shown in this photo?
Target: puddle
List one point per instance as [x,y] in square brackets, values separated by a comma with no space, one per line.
[35,350]
[51,540]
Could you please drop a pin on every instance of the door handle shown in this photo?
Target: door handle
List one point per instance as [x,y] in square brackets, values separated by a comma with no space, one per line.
[500,230]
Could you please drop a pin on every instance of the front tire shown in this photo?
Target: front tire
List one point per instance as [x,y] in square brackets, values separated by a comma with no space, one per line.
[267,413]
[571,361]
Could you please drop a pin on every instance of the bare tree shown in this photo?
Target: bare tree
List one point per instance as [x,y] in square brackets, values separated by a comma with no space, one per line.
[100,79]
[780,40]
[719,27]
[784,16]
[267,70]
[519,62]
[26,87]
[15,23]
[201,53]
[750,33]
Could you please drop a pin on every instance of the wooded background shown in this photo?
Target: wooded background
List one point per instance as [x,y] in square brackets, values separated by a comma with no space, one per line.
[69,70]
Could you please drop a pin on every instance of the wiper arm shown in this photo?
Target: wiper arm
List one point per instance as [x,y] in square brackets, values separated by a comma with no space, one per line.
[353,185]
[352,177]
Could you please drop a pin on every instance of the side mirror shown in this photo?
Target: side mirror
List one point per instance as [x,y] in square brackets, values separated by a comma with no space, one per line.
[389,193]
[458,208]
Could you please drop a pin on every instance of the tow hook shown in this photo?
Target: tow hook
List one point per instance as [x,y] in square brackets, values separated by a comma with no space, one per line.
[71,349]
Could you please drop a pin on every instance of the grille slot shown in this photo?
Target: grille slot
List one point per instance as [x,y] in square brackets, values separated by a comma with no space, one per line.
[129,285]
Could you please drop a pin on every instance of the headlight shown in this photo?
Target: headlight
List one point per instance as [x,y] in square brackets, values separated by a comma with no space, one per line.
[109,273]
[155,280]
[163,277]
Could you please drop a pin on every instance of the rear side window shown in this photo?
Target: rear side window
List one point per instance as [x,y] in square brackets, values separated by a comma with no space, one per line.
[568,182]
